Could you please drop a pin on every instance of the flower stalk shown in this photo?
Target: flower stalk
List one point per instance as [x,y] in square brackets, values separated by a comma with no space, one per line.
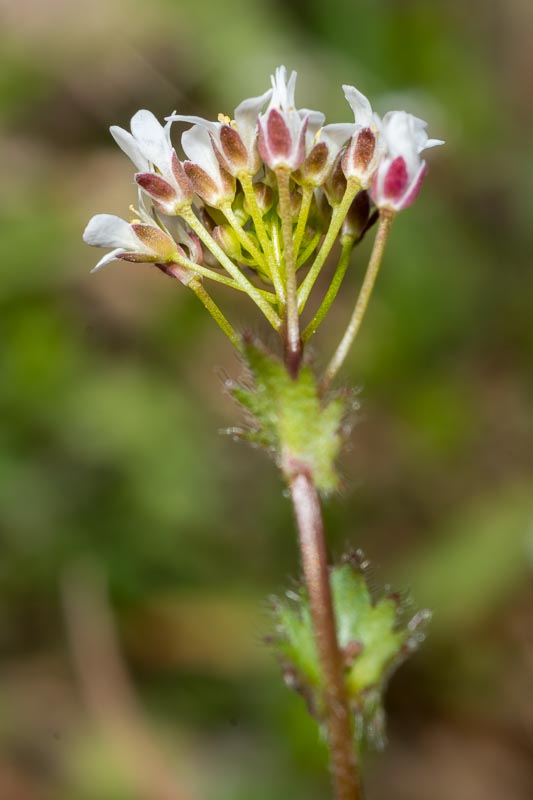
[337,218]
[293,342]
[361,304]
[338,277]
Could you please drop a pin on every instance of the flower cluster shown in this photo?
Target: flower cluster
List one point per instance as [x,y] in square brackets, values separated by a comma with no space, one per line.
[256,201]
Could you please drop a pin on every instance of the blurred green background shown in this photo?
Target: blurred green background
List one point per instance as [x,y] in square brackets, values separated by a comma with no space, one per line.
[112,467]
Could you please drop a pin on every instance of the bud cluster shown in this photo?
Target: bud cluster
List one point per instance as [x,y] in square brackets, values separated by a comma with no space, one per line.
[221,206]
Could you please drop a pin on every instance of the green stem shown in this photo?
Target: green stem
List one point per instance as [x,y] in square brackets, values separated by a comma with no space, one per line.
[259,224]
[190,217]
[302,258]
[331,294]
[205,272]
[337,219]
[361,305]
[207,301]
[293,342]
[243,237]
[307,199]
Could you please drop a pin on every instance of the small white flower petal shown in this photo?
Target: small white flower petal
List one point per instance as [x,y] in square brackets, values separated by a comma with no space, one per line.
[128,145]
[336,134]
[360,106]
[112,256]
[315,120]
[434,143]
[199,149]
[212,127]
[107,230]
[246,115]
[152,139]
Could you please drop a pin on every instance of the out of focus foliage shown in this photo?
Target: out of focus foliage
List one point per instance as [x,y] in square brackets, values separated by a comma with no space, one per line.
[112,396]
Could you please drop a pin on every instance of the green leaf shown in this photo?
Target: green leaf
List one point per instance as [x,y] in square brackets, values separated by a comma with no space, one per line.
[289,418]
[374,638]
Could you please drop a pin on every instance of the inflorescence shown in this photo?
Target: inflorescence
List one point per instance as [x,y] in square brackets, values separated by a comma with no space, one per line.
[261,199]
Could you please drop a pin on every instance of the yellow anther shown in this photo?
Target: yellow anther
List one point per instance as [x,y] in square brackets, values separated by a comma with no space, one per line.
[224,119]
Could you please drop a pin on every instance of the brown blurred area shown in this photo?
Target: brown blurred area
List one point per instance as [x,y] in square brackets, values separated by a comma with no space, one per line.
[138,546]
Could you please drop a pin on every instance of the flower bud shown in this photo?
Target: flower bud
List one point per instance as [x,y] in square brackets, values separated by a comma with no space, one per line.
[225,237]
[356,220]
[335,186]
[264,198]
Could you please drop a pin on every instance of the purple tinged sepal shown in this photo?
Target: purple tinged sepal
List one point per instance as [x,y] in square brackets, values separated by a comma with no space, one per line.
[209,179]
[182,274]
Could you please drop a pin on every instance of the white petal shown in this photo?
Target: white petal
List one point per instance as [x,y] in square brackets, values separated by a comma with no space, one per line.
[152,139]
[198,148]
[107,230]
[360,106]
[128,145]
[337,134]
[283,90]
[434,143]
[291,89]
[401,136]
[213,127]
[315,120]
[112,256]
[246,115]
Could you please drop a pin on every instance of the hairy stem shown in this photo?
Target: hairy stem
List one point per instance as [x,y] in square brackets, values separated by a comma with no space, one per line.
[331,294]
[293,342]
[205,272]
[337,219]
[307,199]
[260,227]
[305,254]
[243,236]
[343,760]
[361,305]
[205,237]
[207,301]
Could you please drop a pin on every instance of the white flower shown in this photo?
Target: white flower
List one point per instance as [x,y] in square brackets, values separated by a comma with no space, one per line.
[323,152]
[282,128]
[136,241]
[401,170]
[235,142]
[161,174]
[363,152]
[210,181]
